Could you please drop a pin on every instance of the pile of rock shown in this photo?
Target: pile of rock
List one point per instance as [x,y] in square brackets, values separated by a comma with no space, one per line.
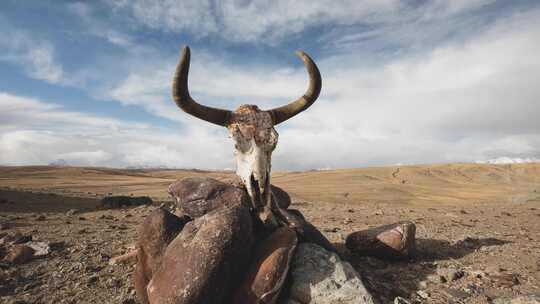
[216,251]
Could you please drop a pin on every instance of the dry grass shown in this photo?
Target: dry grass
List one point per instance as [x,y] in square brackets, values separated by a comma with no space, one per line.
[418,185]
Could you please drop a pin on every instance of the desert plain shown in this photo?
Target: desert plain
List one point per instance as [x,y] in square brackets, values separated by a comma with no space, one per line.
[477,227]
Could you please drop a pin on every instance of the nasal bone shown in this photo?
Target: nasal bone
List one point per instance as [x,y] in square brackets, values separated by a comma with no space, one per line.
[260,173]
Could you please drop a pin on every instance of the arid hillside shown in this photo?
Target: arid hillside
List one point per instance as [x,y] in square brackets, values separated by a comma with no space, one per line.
[477,228]
[418,185]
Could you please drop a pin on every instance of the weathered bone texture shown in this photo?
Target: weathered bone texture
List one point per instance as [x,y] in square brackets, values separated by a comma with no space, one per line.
[252,130]
[196,196]
[204,262]
[268,269]
[255,139]
[154,234]
[394,241]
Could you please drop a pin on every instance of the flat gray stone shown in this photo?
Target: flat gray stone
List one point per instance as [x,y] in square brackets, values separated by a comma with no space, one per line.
[319,276]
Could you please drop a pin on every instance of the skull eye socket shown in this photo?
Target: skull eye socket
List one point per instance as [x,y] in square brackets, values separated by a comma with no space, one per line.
[247,137]
[266,139]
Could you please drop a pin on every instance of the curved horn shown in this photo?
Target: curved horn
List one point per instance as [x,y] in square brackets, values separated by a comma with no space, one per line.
[183,100]
[285,112]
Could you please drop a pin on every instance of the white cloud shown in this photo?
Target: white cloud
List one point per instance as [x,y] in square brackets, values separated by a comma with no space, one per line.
[174,15]
[461,5]
[37,57]
[17,112]
[36,132]
[443,8]
[86,157]
[411,29]
[99,28]
[250,20]
[212,81]
[463,101]
[271,22]
[151,93]
[466,100]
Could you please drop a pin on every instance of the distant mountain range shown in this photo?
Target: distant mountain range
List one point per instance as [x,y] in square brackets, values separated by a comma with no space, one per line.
[509,160]
[59,163]
[147,167]
[494,161]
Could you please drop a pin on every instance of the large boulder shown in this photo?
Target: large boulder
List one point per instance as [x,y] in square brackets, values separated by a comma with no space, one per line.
[205,261]
[394,241]
[319,276]
[279,196]
[154,234]
[197,196]
[268,269]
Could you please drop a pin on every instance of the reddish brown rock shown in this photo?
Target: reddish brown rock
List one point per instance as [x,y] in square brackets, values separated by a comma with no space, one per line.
[297,213]
[15,238]
[197,196]
[4,225]
[19,254]
[205,261]
[394,241]
[307,233]
[268,269]
[154,234]
[281,197]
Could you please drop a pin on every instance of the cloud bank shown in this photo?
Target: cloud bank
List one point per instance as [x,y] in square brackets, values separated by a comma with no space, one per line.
[471,96]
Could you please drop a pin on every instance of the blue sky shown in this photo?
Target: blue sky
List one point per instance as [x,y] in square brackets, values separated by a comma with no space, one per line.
[404,82]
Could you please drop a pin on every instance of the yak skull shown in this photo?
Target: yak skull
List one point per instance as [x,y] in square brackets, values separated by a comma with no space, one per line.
[251,129]
[254,140]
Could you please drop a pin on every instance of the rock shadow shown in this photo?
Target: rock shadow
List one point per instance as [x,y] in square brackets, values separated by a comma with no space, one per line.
[429,250]
[14,201]
[389,279]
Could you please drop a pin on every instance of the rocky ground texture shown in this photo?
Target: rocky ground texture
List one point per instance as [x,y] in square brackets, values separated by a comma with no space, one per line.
[487,252]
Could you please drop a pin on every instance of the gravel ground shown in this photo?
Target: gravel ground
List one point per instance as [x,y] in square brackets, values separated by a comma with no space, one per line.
[472,254]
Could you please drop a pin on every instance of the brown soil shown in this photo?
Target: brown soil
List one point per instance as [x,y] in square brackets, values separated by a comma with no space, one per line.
[477,225]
